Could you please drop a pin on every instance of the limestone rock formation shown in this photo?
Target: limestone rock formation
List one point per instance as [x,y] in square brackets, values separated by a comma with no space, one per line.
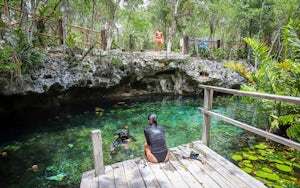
[123,74]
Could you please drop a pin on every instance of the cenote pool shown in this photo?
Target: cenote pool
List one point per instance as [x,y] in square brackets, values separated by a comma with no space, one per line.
[59,142]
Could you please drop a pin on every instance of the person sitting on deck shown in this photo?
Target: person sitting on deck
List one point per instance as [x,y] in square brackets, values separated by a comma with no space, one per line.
[155,145]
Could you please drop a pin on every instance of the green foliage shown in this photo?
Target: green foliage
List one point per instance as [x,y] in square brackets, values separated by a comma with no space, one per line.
[293,122]
[220,54]
[2,23]
[281,78]
[116,61]
[6,65]
[203,52]
[71,40]
[291,40]
[137,28]
[293,131]
[240,54]
[16,56]
[260,50]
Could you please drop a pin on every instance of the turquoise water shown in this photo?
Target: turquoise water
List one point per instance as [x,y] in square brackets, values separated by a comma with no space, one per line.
[61,144]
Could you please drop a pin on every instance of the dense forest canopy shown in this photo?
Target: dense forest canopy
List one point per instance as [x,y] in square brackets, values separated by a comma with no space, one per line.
[269,29]
[132,23]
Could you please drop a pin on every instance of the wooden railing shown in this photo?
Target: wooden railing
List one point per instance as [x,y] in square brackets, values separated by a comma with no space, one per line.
[207,113]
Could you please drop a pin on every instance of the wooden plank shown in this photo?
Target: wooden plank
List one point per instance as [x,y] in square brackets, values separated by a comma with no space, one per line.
[218,166]
[216,176]
[119,175]
[203,178]
[87,179]
[173,175]
[246,178]
[161,177]
[186,175]
[132,173]
[95,182]
[147,174]
[108,179]
[179,172]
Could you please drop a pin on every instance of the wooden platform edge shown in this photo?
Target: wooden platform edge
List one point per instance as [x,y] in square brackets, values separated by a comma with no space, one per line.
[178,172]
[244,176]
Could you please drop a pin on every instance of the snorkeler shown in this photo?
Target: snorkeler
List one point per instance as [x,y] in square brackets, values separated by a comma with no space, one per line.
[122,138]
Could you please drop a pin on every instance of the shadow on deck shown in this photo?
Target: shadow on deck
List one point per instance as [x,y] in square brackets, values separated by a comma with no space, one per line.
[178,172]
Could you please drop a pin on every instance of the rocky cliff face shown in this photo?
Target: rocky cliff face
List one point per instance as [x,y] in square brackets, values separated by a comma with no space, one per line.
[120,73]
[126,73]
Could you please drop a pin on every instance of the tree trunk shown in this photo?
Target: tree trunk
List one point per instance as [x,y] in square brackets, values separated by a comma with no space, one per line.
[6,10]
[109,42]
[26,12]
[276,37]
[173,27]
[103,40]
[260,20]
[212,33]
[33,22]
[60,30]
[186,44]
[92,25]
[22,14]
[64,21]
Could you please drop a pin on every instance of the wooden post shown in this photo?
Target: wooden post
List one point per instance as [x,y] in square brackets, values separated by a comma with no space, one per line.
[218,43]
[208,98]
[103,40]
[97,151]
[60,31]
[186,44]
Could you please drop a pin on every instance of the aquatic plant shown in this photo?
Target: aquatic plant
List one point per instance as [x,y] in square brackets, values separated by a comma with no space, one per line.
[275,166]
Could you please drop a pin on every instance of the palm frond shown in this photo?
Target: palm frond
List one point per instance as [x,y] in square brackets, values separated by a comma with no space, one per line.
[291,39]
[260,50]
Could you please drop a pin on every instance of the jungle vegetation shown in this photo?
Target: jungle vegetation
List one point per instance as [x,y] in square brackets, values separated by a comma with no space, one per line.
[265,32]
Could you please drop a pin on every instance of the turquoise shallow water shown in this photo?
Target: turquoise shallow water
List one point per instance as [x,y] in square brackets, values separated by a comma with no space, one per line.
[61,144]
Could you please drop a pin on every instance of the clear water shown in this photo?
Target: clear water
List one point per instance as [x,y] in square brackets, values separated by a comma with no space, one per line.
[61,146]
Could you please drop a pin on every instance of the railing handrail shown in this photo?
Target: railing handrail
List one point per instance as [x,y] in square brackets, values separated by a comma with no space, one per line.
[207,113]
[289,99]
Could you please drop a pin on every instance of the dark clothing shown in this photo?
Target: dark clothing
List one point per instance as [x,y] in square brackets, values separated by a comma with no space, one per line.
[155,136]
[123,137]
[118,142]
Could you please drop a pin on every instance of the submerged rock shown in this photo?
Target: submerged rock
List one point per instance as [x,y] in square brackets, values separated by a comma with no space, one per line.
[58,177]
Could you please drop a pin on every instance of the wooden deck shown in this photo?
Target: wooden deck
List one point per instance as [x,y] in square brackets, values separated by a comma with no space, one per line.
[178,172]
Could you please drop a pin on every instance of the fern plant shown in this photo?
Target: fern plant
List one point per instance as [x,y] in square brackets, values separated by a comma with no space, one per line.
[293,124]
[281,78]
[17,56]
[9,62]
